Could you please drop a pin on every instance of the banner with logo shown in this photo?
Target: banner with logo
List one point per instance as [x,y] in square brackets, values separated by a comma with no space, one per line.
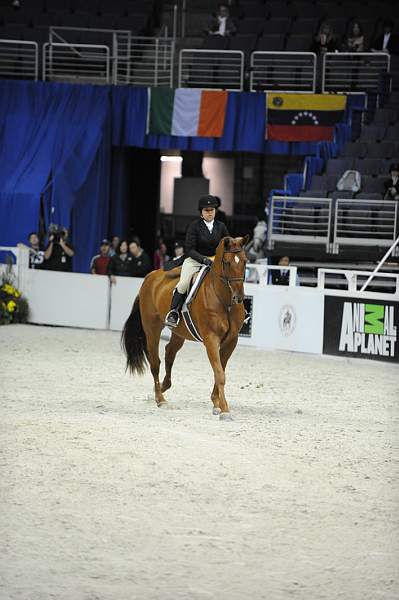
[361,328]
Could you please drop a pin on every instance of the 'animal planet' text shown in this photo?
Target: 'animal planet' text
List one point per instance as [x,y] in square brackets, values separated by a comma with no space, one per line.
[368,329]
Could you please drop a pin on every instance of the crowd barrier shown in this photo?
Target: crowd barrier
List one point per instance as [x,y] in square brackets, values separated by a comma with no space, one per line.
[301,319]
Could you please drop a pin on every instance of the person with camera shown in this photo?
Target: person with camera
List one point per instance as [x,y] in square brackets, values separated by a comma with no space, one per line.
[59,252]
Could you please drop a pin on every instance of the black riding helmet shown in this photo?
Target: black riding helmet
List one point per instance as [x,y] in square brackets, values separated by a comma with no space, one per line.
[207,202]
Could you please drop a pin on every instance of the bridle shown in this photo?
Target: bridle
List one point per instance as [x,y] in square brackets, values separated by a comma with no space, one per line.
[227,280]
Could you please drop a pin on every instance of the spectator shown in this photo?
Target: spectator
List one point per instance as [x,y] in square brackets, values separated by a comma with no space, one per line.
[115,242]
[391,185]
[140,264]
[222,23]
[388,41]
[99,263]
[59,252]
[354,41]
[36,254]
[160,255]
[324,40]
[178,250]
[282,277]
[120,263]
[220,214]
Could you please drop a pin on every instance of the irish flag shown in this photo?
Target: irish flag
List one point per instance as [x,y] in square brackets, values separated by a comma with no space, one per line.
[186,112]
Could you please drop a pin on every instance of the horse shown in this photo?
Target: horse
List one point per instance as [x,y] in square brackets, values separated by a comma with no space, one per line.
[217,310]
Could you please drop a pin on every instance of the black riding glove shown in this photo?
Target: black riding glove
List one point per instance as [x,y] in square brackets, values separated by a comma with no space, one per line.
[207,261]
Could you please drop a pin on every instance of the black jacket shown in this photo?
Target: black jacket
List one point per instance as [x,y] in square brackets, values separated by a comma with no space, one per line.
[393,43]
[200,243]
[280,277]
[388,183]
[140,265]
[119,267]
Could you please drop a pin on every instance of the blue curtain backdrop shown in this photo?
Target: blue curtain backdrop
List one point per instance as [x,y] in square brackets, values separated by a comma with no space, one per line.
[55,147]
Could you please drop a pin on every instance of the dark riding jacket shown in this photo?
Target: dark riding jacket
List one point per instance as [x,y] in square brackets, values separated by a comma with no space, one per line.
[200,242]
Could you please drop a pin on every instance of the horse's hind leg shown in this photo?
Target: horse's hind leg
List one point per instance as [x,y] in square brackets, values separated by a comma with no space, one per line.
[171,350]
[153,335]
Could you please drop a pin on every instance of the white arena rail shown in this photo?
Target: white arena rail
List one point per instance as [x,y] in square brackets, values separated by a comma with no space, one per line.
[365,223]
[299,220]
[143,61]
[353,72]
[19,59]
[76,63]
[211,69]
[283,71]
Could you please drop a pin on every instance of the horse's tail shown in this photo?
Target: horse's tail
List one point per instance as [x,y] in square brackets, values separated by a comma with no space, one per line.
[134,341]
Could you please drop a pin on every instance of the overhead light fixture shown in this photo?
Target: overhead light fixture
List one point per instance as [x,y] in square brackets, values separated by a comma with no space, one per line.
[171,158]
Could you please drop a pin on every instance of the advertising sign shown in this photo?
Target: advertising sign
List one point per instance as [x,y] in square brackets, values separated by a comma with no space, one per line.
[361,328]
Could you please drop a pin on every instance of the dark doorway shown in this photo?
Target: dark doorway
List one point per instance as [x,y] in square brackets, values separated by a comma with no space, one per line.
[135,187]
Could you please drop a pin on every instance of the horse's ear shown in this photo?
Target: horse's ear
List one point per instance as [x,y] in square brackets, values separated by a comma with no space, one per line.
[245,240]
[226,242]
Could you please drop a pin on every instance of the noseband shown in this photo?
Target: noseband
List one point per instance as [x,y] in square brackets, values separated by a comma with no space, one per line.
[228,280]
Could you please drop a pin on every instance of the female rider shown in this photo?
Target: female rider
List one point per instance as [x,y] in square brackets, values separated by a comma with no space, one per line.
[202,238]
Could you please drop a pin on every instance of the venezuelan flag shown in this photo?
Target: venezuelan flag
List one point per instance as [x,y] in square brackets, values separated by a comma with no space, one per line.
[303,117]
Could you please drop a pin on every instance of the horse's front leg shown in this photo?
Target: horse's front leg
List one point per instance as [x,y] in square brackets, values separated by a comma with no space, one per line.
[212,345]
[226,351]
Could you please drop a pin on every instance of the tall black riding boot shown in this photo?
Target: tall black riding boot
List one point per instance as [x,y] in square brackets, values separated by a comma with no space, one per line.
[173,316]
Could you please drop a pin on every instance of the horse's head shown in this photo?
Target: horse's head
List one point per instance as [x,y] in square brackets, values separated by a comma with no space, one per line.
[230,264]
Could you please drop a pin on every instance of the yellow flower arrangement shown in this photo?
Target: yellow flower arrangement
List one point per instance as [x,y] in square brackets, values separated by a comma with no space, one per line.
[13,306]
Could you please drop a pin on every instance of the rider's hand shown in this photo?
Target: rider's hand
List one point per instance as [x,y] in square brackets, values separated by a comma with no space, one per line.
[207,261]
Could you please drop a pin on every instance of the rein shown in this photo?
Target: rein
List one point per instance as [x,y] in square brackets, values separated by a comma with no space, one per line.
[226,280]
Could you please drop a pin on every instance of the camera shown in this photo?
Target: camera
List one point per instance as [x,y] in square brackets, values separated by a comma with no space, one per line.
[56,232]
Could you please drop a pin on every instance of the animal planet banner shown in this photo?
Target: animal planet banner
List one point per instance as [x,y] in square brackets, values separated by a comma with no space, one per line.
[303,117]
[364,329]
[186,112]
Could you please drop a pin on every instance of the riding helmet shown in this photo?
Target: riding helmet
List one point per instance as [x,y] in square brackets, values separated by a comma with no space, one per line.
[207,202]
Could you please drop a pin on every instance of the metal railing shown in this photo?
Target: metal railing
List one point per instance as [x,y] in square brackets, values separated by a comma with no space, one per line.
[283,71]
[19,59]
[84,63]
[353,72]
[299,220]
[365,223]
[211,69]
[145,61]
[353,281]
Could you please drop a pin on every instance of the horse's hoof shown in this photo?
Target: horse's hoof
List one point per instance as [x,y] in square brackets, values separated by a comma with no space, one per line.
[216,410]
[162,403]
[225,417]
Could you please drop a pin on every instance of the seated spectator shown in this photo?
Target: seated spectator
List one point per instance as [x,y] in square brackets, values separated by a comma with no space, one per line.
[388,41]
[99,263]
[178,250]
[140,263]
[220,214]
[36,253]
[282,277]
[160,255]
[354,41]
[222,23]
[115,241]
[391,185]
[324,41]
[59,252]
[120,263]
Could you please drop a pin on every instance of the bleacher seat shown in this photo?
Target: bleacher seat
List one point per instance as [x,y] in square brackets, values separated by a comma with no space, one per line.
[254,11]
[215,42]
[325,183]
[304,26]
[270,43]
[381,150]
[276,26]
[372,133]
[313,194]
[298,43]
[250,26]
[370,166]
[368,196]
[246,43]
[392,134]
[372,184]
[336,195]
[337,166]
[385,116]
[355,149]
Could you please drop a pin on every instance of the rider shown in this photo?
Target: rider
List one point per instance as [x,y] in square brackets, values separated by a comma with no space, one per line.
[202,238]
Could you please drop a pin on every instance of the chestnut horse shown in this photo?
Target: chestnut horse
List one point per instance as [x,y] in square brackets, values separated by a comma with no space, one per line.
[217,310]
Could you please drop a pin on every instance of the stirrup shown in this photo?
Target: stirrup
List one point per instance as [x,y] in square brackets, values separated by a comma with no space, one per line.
[172,323]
